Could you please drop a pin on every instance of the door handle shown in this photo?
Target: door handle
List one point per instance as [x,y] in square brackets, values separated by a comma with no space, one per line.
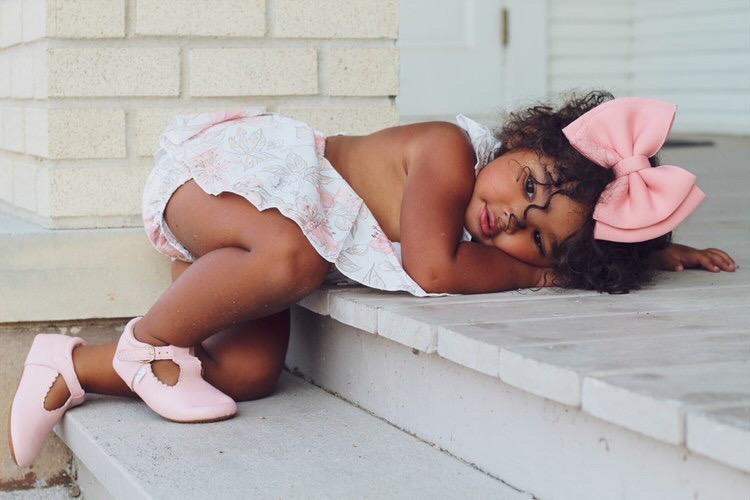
[504,26]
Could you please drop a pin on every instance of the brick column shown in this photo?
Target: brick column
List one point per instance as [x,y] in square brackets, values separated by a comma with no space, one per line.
[87,86]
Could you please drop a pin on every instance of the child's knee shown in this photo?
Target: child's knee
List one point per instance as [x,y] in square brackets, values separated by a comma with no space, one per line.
[255,384]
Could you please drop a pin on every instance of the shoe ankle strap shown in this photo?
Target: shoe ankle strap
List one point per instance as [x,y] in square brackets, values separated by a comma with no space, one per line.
[69,375]
[147,353]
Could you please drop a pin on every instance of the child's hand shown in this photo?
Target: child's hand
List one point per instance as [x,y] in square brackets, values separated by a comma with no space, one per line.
[678,257]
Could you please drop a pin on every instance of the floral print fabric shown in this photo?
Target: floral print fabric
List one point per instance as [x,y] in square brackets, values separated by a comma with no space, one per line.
[274,161]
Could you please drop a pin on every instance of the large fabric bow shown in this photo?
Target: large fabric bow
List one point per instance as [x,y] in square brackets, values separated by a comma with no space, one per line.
[642,203]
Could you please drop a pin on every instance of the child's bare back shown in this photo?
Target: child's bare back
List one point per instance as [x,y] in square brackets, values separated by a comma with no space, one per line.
[377,166]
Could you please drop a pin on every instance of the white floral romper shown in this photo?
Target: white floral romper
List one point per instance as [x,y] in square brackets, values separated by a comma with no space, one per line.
[274,161]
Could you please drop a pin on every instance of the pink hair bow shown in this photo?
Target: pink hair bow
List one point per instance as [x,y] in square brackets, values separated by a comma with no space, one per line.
[642,202]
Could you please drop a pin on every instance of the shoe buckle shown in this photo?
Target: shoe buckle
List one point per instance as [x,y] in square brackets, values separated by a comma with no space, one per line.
[151,352]
[144,354]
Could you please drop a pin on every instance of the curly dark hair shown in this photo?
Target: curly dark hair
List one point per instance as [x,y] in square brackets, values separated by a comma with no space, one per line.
[580,260]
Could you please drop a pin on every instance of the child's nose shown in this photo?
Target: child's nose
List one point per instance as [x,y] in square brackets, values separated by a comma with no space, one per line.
[509,224]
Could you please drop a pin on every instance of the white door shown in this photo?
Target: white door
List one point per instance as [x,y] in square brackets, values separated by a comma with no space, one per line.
[475,57]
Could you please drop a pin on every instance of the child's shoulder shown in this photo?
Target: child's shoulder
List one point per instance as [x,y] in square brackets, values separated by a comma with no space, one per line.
[414,135]
[435,133]
[437,143]
[440,142]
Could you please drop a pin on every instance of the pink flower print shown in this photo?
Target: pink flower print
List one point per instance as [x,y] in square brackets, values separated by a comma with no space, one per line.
[297,166]
[207,166]
[315,225]
[248,183]
[326,198]
[347,204]
[380,242]
[251,148]
[320,144]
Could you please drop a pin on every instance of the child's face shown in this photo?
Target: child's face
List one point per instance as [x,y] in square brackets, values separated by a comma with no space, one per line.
[506,186]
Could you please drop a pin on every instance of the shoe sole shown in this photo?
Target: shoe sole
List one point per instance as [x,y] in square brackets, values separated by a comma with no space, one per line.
[217,419]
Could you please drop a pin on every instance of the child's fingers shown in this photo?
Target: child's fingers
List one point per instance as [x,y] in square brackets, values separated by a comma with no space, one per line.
[724,256]
[724,260]
[711,262]
[699,259]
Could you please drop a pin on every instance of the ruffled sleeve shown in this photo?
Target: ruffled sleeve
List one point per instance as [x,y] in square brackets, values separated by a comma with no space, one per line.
[482,139]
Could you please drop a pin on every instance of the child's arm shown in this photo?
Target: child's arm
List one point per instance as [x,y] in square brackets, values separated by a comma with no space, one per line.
[439,184]
[438,188]
[478,268]
[677,257]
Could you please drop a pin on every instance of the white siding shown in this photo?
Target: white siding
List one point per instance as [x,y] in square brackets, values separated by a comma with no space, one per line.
[695,53]
[590,45]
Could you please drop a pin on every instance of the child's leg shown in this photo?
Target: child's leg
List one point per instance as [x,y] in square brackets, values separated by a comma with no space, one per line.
[250,264]
[223,287]
[244,361]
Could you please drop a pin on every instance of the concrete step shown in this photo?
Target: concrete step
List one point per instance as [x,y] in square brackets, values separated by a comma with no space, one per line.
[53,493]
[300,442]
[72,274]
[570,381]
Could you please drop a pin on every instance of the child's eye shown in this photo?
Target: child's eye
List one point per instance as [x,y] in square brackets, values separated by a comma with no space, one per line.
[529,186]
[539,242]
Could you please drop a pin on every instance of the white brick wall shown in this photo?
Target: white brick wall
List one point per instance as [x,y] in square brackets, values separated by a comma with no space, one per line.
[87,87]
[366,71]
[266,71]
[231,18]
[334,19]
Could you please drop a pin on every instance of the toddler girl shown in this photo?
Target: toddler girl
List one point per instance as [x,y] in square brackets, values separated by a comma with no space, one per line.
[257,210]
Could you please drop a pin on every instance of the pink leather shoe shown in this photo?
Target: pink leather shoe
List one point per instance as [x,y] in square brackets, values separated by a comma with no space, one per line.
[29,422]
[191,399]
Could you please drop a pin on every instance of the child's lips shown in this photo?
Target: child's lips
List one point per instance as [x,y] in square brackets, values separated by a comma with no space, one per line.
[484,223]
[489,225]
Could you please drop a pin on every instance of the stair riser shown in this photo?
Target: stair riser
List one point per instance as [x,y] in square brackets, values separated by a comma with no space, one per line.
[71,275]
[89,485]
[531,443]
